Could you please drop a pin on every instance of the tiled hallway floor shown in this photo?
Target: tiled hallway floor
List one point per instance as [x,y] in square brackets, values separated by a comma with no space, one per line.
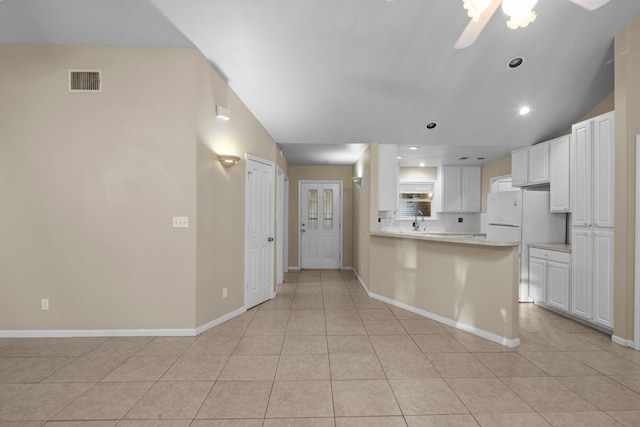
[322,354]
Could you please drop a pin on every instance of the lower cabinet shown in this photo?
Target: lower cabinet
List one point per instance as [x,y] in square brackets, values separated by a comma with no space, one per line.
[549,274]
[592,282]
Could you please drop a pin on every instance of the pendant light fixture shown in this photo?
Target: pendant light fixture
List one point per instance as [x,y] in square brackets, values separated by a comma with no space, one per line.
[475,8]
[520,12]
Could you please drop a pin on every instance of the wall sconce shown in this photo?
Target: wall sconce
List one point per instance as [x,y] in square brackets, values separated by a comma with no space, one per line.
[357,180]
[228,160]
[223,113]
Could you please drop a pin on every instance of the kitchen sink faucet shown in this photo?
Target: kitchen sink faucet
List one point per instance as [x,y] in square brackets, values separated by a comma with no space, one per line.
[416,225]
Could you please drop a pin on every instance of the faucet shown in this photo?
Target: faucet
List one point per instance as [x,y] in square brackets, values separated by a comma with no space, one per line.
[416,226]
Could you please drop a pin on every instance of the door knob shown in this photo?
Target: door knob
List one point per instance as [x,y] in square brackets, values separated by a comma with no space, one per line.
[270,239]
[303,231]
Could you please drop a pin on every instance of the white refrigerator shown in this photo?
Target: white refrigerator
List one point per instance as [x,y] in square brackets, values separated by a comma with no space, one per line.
[523,216]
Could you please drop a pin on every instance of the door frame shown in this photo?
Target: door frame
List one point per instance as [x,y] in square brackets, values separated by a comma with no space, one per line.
[636,324]
[282,221]
[271,164]
[340,197]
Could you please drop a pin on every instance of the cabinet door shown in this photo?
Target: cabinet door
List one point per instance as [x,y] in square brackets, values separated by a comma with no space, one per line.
[387,177]
[559,174]
[580,171]
[538,279]
[538,163]
[558,285]
[603,170]
[519,176]
[471,189]
[451,189]
[603,278]
[581,258]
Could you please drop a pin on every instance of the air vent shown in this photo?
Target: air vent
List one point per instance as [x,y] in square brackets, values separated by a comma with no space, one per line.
[85,81]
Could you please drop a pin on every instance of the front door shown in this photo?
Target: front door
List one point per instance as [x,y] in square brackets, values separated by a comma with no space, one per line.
[320,224]
[259,219]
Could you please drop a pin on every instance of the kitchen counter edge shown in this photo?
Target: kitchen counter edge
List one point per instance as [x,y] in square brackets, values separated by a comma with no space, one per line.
[444,239]
[558,247]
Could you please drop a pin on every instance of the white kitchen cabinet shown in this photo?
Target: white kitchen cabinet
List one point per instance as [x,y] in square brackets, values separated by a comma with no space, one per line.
[558,283]
[471,188]
[387,177]
[460,189]
[603,277]
[549,273]
[538,164]
[592,279]
[519,163]
[581,283]
[530,165]
[603,170]
[559,150]
[538,279]
[592,172]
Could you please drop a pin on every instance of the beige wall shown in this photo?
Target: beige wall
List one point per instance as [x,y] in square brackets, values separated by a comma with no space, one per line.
[220,193]
[362,214]
[490,170]
[418,174]
[627,107]
[322,173]
[89,183]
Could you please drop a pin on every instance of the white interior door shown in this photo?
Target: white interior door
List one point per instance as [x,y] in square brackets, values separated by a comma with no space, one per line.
[320,224]
[259,221]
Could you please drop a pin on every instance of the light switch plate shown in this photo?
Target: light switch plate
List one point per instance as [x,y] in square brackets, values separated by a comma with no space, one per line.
[44,304]
[180,222]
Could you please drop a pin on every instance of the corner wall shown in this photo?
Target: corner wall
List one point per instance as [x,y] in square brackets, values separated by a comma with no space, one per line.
[627,103]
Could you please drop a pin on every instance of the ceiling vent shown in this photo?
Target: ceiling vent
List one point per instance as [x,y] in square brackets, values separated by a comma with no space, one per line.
[85,81]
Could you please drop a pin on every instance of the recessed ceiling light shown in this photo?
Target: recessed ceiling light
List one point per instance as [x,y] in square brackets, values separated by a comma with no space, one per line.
[422,164]
[463,158]
[524,110]
[515,62]
[399,157]
[479,158]
[413,147]
[431,125]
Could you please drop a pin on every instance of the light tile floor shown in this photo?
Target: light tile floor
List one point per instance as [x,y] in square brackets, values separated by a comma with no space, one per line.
[324,354]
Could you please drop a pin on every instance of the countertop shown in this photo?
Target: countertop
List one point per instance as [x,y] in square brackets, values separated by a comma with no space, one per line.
[558,247]
[443,237]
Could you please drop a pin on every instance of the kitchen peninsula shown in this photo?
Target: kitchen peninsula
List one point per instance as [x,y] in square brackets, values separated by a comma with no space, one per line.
[466,283]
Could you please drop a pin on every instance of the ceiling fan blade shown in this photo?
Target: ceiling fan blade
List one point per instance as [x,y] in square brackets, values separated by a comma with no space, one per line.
[473,29]
[590,4]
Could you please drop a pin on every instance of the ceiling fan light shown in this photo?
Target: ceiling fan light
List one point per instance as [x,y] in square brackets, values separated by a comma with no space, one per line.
[520,12]
[475,8]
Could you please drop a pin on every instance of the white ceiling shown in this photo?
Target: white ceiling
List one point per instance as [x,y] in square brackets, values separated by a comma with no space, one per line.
[321,75]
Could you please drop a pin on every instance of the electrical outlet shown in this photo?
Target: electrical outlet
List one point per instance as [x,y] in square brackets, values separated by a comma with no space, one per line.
[224,292]
[180,222]
[44,304]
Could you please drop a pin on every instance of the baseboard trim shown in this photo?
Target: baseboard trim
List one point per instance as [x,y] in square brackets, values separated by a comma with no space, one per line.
[346,268]
[364,285]
[510,343]
[219,320]
[86,333]
[623,342]
[294,268]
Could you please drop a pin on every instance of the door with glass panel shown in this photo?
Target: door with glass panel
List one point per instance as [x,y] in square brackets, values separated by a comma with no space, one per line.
[320,224]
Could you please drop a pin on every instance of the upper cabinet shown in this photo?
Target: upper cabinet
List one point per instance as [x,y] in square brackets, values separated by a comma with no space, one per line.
[530,166]
[387,177]
[559,149]
[460,189]
[592,169]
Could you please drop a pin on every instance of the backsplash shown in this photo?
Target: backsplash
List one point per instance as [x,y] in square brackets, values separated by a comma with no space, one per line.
[445,223]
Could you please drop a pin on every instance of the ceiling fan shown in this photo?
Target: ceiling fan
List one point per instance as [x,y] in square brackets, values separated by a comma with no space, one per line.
[520,12]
